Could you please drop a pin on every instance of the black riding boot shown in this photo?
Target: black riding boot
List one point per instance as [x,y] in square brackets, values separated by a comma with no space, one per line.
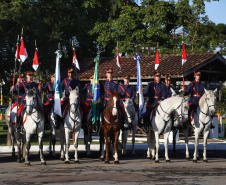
[212,126]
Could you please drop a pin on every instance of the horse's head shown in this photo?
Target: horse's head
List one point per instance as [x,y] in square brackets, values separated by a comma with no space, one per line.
[31,99]
[173,92]
[129,109]
[210,100]
[114,101]
[74,99]
[182,111]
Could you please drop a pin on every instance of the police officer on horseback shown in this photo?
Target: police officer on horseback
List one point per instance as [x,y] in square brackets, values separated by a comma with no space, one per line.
[196,89]
[169,86]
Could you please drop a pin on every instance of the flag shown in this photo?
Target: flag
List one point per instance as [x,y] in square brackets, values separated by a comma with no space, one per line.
[35,61]
[142,108]
[23,52]
[17,56]
[118,60]
[96,93]
[157,60]
[57,86]
[184,56]
[75,60]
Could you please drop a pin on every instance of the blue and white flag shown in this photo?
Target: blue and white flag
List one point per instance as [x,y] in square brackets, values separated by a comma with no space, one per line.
[57,85]
[142,108]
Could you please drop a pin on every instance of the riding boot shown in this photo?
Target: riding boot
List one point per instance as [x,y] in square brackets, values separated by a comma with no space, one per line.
[212,126]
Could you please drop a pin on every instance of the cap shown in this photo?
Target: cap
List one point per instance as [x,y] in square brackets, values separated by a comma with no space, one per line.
[157,73]
[168,78]
[52,75]
[127,77]
[70,70]
[109,70]
[197,73]
[30,73]
[22,75]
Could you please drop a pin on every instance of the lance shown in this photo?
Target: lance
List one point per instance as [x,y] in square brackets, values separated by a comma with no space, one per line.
[117,66]
[73,47]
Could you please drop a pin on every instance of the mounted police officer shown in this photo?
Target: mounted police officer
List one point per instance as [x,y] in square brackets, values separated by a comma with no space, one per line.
[169,86]
[51,91]
[127,91]
[156,92]
[69,82]
[196,89]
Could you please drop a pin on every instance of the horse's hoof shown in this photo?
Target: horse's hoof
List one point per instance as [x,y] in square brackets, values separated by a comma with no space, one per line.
[152,158]
[62,159]
[43,163]
[76,162]
[18,160]
[116,162]
[101,159]
[194,161]
[168,161]
[107,162]
[66,162]
[187,159]
[27,164]
[205,161]
[156,161]
[148,157]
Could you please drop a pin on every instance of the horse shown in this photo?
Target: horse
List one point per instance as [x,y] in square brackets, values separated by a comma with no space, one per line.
[33,120]
[111,126]
[201,122]
[162,123]
[72,122]
[131,119]
[88,132]
[14,133]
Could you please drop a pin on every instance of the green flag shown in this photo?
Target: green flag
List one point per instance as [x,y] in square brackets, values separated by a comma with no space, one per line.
[96,93]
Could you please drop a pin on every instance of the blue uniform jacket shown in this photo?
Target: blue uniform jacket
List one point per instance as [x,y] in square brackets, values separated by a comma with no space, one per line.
[168,91]
[127,91]
[72,83]
[105,87]
[51,91]
[155,92]
[197,90]
[21,90]
[88,91]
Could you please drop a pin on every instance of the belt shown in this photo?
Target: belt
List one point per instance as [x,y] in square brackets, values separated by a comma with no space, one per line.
[50,99]
[106,98]
[20,96]
[197,95]
[89,99]
[156,97]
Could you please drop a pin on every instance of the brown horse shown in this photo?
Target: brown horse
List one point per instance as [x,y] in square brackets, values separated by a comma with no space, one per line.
[111,126]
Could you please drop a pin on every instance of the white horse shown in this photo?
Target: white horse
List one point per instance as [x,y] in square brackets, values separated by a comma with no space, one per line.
[33,121]
[72,122]
[162,123]
[201,121]
[14,133]
[131,118]
[53,122]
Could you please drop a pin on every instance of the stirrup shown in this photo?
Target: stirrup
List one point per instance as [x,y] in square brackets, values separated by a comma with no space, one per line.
[212,126]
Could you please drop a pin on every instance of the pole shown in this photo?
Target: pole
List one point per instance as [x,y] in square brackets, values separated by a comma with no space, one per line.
[117,66]
[73,47]
[182,49]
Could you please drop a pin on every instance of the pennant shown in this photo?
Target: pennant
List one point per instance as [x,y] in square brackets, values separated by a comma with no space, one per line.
[35,61]
[96,93]
[157,60]
[118,62]
[17,56]
[184,56]
[57,86]
[142,107]
[23,52]
[75,60]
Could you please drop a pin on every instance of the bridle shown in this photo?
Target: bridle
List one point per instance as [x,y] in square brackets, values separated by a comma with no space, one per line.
[113,124]
[131,117]
[74,113]
[207,106]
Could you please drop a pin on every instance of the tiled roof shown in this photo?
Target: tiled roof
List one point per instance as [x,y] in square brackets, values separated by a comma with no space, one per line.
[169,63]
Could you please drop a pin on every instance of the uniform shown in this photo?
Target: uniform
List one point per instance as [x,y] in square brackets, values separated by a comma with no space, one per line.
[21,92]
[89,98]
[106,86]
[127,91]
[51,91]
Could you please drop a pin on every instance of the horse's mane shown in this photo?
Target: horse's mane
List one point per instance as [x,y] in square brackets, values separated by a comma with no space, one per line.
[39,102]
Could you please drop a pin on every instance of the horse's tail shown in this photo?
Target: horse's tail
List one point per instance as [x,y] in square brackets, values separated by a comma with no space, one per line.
[9,139]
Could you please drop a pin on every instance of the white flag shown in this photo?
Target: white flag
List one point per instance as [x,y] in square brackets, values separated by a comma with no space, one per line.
[75,61]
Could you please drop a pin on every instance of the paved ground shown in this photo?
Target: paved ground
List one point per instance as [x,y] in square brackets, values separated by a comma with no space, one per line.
[131,170]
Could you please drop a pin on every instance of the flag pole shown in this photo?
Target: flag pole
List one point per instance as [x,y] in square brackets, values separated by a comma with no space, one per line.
[117,67]
[182,51]
[73,47]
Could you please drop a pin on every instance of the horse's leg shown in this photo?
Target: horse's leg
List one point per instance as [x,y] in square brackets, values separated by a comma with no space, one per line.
[124,141]
[196,144]
[186,143]
[62,138]
[40,136]
[107,146]
[157,147]
[76,146]
[174,140]
[166,138]
[50,143]
[133,138]
[86,139]
[12,140]
[17,136]
[101,145]
[206,133]
[67,138]
[53,142]
[149,143]
[152,139]
[28,137]
[116,134]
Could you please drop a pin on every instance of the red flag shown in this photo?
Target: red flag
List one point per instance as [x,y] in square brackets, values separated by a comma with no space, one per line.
[75,60]
[23,52]
[157,62]
[17,56]
[184,56]
[35,61]
[118,60]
